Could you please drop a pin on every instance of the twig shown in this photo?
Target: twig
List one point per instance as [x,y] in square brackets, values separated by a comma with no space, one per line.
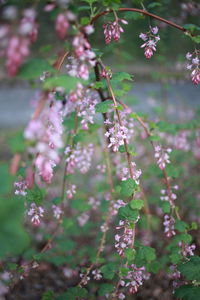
[144,12]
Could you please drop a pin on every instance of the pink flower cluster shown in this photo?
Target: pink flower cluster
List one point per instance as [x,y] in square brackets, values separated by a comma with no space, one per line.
[46,132]
[134,279]
[21,187]
[83,218]
[169,196]
[57,211]
[186,250]
[87,108]
[124,173]
[71,190]
[83,101]
[151,38]
[83,57]
[194,65]
[116,135]
[169,226]
[16,45]
[97,274]
[124,240]
[79,158]
[36,212]
[181,140]
[113,30]
[62,25]
[162,156]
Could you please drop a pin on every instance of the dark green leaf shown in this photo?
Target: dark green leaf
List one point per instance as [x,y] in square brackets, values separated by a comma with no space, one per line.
[126,213]
[188,292]
[34,68]
[136,204]
[120,76]
[181,226]
[65,81]
[73,293]
[109,270]
[127,187]
[104,106]
[191,268]
[105,288]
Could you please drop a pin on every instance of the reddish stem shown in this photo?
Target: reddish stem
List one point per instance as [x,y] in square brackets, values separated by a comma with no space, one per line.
[144,12]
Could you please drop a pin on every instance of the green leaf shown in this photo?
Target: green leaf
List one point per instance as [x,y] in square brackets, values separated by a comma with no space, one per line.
[69,121]
[130,254]
[120,76]
[196,39]
[153,267]
[73,293]
[127,187]
[65,81]
[105,288]
[97,85]
[153,5]
[155,138]
[16,142]
[48,295]
[191,268]
[109,270]
[35,67]
[191,27]
[181,226]
[184,237]
[194,226]
[176,257]
[35,195]
[145,254]
[85,20]
[123,271]
[12,231]
[104,106]
[127,213]
[136,204]
[165,206]
[188,292]
[80,136]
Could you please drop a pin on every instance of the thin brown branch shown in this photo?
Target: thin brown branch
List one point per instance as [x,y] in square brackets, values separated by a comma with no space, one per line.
[143,12]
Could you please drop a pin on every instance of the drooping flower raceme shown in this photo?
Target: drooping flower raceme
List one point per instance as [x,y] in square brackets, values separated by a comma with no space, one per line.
[134,279]
[71,190]
[46,133]
[194,65]
[83,57]
[112,30]
[116,135]
[21,187]
[82,100]
[36,213]
[162,156]
[124,240]
[62,24]
[57,211]
[151,38]
[169,226]
[16,45]
[169,195]
[79,158]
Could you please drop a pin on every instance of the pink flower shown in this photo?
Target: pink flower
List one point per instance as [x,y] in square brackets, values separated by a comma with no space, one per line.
[194,65]
[151,40]
[71,191]
[113,30]
[36,212]
[62,25]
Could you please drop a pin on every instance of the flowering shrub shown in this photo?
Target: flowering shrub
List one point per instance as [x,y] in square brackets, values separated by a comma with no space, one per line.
[105,192]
